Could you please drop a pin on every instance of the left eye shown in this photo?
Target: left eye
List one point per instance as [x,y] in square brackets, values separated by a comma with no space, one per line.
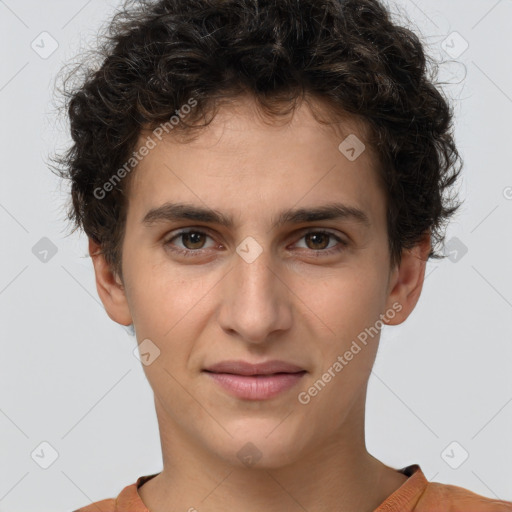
[320,239]
[193,241]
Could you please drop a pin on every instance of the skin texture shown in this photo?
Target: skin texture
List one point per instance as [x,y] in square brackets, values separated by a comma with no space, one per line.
[292,303]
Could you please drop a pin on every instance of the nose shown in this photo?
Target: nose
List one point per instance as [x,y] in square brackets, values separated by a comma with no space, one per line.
[256,300]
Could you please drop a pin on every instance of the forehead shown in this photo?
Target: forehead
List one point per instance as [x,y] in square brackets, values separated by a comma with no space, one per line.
[242,162]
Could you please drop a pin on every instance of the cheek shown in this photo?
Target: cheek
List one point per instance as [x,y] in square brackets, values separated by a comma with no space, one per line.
[160,294]
[345,302]
[172,311]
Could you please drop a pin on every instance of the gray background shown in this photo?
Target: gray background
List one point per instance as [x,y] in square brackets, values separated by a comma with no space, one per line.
[68,374]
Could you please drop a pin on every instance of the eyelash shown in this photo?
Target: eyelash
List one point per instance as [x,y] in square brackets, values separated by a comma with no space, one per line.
[198,252]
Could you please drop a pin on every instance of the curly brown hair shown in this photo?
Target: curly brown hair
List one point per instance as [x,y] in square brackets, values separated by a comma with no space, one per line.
[157,55]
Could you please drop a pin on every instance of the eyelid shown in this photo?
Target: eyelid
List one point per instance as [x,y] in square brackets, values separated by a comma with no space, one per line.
[327,252]
[207,231]
[319,229]
[172,235]
[299,234]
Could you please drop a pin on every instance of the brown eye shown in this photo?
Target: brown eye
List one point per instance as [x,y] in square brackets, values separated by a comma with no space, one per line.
[187,242]
[322,243]
[317,240]
[193,239]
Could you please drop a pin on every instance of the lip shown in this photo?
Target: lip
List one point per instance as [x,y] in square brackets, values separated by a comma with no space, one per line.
[255,381]
[240,367]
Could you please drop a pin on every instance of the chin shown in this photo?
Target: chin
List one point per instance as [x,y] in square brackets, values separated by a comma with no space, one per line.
[261,444]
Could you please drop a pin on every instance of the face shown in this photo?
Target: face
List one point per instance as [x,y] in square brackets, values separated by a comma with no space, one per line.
[274,272]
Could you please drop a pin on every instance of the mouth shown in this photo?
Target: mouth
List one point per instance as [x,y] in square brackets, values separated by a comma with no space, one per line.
[239,367]
[251,381]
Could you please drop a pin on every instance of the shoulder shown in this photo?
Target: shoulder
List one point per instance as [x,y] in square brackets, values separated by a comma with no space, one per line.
[107,505]
[452,498]
[128,500]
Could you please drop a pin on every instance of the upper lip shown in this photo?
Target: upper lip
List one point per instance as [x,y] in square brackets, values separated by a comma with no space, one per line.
[240,367]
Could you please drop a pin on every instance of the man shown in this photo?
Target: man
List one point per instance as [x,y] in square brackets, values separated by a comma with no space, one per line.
[262,184]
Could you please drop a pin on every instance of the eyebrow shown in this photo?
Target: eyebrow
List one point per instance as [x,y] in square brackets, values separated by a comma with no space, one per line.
[172,212]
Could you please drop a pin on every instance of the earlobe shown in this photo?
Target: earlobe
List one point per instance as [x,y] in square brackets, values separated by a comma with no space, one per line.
[407,280]
[110,288]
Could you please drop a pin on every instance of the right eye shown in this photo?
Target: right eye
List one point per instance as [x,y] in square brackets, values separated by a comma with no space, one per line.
[192,239]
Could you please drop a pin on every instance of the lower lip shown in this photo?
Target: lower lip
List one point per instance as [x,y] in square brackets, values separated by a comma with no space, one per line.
[256,387]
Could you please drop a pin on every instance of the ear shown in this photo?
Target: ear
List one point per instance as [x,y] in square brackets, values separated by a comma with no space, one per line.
[110,288]
[406,281]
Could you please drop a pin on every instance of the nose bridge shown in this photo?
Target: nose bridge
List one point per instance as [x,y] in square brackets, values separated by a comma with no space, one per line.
[254,280]
[254,302]
[254,274]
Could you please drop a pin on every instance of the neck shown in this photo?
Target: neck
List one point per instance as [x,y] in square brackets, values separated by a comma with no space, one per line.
[337,475]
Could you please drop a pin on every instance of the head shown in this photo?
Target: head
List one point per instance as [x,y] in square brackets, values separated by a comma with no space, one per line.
[315,143]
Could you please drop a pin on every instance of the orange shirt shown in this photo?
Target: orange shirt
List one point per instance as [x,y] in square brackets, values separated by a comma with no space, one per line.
[416,494]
